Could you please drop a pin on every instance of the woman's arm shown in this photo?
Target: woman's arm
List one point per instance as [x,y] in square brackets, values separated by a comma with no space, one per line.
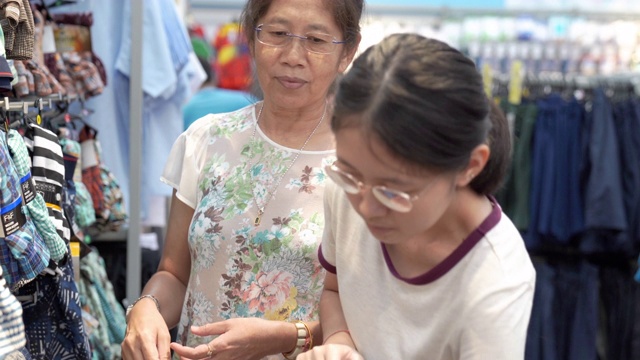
[169,283]
[147,324]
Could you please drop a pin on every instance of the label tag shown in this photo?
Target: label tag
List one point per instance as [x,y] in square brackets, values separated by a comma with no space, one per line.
[74,246]
[515,82]
[28,189]
[48,40]
[72,38]
[487,77]
[50,193]
[12,218]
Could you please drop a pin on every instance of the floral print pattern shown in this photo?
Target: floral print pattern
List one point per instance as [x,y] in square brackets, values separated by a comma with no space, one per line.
[269,271]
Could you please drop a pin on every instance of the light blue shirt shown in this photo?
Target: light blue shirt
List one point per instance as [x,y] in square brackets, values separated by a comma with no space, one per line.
[166,48]
[212,100]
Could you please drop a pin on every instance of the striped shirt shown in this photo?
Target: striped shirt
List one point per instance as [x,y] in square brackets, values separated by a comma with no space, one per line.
[11,325]
[47,170]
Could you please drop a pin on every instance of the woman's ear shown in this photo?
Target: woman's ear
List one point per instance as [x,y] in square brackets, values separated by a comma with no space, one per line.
[477,161]
[348,55]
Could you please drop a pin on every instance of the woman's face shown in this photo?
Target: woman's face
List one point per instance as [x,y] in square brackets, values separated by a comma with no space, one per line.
[371,163]
[291,76]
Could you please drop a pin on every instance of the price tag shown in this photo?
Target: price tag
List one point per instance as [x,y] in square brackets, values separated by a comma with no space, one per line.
[75,257]
[48,40]
[487,77]
[515,83]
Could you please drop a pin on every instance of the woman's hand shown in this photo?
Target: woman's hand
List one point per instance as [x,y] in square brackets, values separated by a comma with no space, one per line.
[240,338]
[147,334]
[331,352]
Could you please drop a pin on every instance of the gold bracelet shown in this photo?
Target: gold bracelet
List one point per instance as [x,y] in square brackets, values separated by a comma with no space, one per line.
[301,341]
[309,344]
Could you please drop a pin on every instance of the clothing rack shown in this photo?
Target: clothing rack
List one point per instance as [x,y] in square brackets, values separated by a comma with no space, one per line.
[40,103]
[625,81]
[447,13]
[136,99]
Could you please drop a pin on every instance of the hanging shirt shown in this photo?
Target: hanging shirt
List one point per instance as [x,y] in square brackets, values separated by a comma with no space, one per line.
[212,100]
[11,325]
[165,85]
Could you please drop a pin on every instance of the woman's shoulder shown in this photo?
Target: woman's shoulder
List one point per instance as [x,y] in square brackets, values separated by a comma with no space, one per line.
[221,124]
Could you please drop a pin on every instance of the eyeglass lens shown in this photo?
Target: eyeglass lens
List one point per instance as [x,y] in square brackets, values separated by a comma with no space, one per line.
[279,36]
[393,199]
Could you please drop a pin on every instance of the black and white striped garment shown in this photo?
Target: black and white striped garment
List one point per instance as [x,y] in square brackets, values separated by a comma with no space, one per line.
[47,170]
[11,324]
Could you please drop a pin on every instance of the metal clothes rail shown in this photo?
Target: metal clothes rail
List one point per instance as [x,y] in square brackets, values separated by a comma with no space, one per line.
[622,80]
[23,104]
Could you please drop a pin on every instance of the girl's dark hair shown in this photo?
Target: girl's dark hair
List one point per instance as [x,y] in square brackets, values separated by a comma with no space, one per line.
[346,13]
[499,141]
[425,101]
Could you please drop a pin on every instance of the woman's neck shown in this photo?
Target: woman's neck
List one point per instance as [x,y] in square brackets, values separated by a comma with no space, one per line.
[293,128]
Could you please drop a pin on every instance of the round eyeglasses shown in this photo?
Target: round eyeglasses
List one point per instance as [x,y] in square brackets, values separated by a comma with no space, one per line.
[395,200]
[278,36]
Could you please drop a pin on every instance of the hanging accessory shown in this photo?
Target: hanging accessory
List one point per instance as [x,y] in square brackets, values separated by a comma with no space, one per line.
[271,192]
[5,121]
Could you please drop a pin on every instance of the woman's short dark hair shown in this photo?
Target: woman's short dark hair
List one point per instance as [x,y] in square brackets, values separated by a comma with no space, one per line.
[425,101]
[346,13]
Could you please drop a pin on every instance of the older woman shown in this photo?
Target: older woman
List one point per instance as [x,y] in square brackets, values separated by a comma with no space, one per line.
[239,275]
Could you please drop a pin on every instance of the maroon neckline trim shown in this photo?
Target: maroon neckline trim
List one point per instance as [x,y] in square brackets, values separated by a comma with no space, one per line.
[447,264]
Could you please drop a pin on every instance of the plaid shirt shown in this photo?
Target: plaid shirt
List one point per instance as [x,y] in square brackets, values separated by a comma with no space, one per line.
[25,84]
[84,73]
[83,205]
[22,35]
[37,207]
[26,245]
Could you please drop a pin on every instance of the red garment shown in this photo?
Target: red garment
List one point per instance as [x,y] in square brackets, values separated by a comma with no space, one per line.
[233,61]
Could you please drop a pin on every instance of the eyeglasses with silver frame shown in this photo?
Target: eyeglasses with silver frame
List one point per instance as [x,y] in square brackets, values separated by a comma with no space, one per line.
[279,36]
[395,200]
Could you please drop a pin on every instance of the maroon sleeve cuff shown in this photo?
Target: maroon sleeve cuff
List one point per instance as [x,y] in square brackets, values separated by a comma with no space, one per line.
[325,264]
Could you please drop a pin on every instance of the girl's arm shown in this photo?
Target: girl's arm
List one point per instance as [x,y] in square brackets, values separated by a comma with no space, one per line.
[334,325]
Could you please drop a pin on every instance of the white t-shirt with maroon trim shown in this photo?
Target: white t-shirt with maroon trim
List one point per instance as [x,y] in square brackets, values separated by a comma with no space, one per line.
[476,304]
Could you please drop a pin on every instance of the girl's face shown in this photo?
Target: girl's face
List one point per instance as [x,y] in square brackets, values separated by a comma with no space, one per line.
[290,75]
[369,162]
